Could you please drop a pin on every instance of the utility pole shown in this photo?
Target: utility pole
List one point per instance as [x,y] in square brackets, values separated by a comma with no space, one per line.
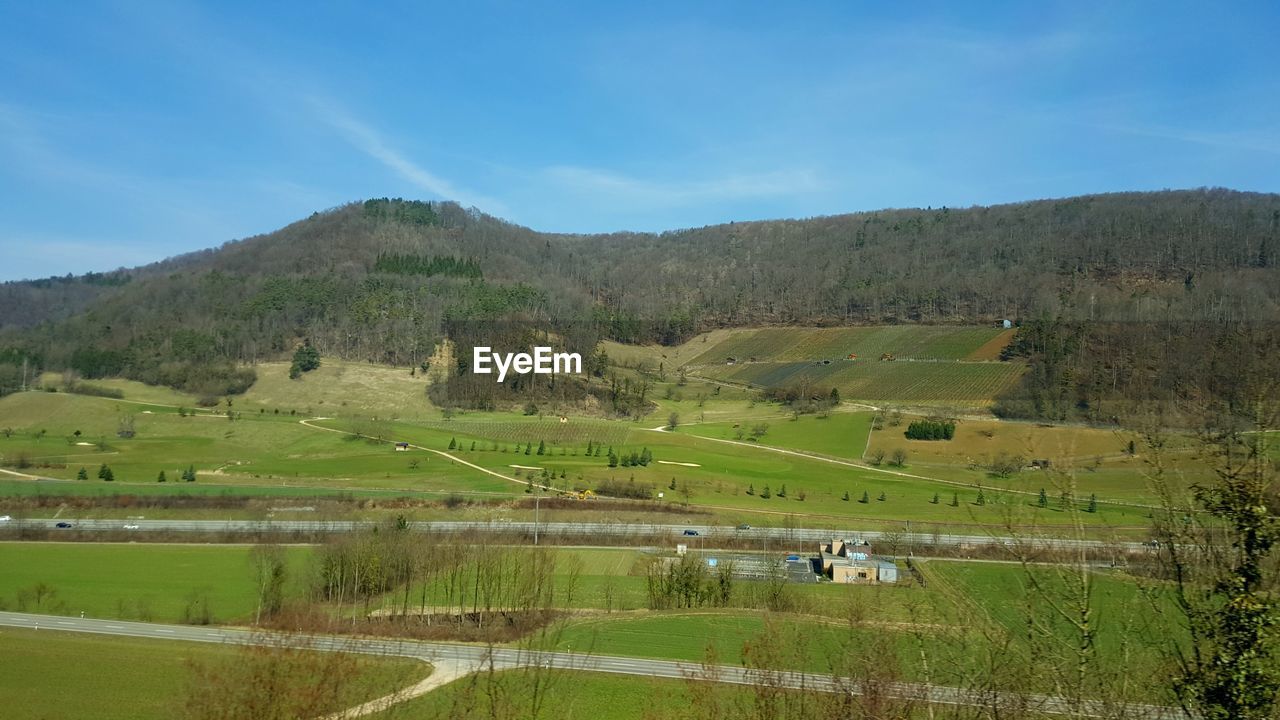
[536,500]
[24,373]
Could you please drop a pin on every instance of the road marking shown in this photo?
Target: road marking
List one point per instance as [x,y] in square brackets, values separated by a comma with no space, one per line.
[164,631]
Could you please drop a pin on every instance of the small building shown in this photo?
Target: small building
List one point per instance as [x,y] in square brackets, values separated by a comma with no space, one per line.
[402,447]
[851,562]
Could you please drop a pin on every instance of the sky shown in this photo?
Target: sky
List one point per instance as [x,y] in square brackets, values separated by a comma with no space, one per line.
[133,131]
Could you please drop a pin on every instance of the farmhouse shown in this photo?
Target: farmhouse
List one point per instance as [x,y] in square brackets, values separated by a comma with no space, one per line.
[850,562]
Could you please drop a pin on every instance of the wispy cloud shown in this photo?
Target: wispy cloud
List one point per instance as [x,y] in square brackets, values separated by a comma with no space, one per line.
[369,141]
[607,186]
[1238,141]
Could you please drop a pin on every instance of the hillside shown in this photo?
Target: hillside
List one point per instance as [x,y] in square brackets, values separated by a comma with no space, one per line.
[383,281]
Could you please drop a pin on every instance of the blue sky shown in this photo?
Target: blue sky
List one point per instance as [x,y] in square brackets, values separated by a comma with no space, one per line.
[133,131]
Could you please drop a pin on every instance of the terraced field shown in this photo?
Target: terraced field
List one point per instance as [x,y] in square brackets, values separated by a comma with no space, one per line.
[796,344]
[905,381]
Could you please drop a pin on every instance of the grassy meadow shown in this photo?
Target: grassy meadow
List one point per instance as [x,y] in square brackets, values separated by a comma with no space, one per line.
[134,581]
[136,678]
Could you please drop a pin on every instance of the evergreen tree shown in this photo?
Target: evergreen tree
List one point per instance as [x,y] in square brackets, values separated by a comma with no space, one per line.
[82,474]
[589,446]
[161,477]
[882,497]
[613,459]
[102,471]
[473,446]
[955,499]
[835,396]
[782,492]
[190,474]
[1043,501]
[751,489]
[846,496]
[453,443]
[982,499]
[305,359]
[673,484]
[1093,503]
[542,447]
[935,499]
[866,498]
[528,448]
[765,493]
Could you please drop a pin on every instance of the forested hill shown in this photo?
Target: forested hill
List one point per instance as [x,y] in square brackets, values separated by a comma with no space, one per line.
[382,280]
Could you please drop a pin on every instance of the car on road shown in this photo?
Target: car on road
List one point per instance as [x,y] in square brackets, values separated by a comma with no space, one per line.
[744,526]
[5,518]
[130,527]
[691,532]
[63,525]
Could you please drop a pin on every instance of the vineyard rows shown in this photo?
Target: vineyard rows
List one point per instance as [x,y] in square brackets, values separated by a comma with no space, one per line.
[873,380]
[798,344]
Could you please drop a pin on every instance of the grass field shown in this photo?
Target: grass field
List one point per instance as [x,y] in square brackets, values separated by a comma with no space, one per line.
[566,696]
[133,582]
[341,388]
[262,451]
[74,675]
[731,477]
[257,448]
[840,434]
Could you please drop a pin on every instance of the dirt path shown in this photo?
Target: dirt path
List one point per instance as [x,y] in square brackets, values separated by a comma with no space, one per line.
[444,672]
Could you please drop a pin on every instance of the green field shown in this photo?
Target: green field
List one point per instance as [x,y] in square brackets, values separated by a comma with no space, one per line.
[260,452]
[566,696]
[134,582]
[74,675]
[839,434]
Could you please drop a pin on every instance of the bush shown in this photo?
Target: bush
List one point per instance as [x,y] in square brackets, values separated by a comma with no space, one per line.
[629,489]
[931,430]
[95,390]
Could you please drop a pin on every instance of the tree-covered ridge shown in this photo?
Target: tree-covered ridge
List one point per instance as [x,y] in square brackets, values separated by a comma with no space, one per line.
[409,212]
[426,265]
[360,280]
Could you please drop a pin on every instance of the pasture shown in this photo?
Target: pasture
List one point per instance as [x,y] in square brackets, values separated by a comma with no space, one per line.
[107,677]
[147,582]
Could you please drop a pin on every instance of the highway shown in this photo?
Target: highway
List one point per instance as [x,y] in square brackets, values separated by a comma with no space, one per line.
[502,657]
[707,534]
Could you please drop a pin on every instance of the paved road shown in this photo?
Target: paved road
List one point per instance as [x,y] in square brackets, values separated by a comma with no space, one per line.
[707,534]
[506,658]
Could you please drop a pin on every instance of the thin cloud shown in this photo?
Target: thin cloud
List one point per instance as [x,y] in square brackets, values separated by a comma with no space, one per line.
[1240,141]
[371,143]
[604,185]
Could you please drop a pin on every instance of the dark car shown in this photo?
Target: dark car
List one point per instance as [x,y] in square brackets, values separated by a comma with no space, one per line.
[690,532]
[63,525]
